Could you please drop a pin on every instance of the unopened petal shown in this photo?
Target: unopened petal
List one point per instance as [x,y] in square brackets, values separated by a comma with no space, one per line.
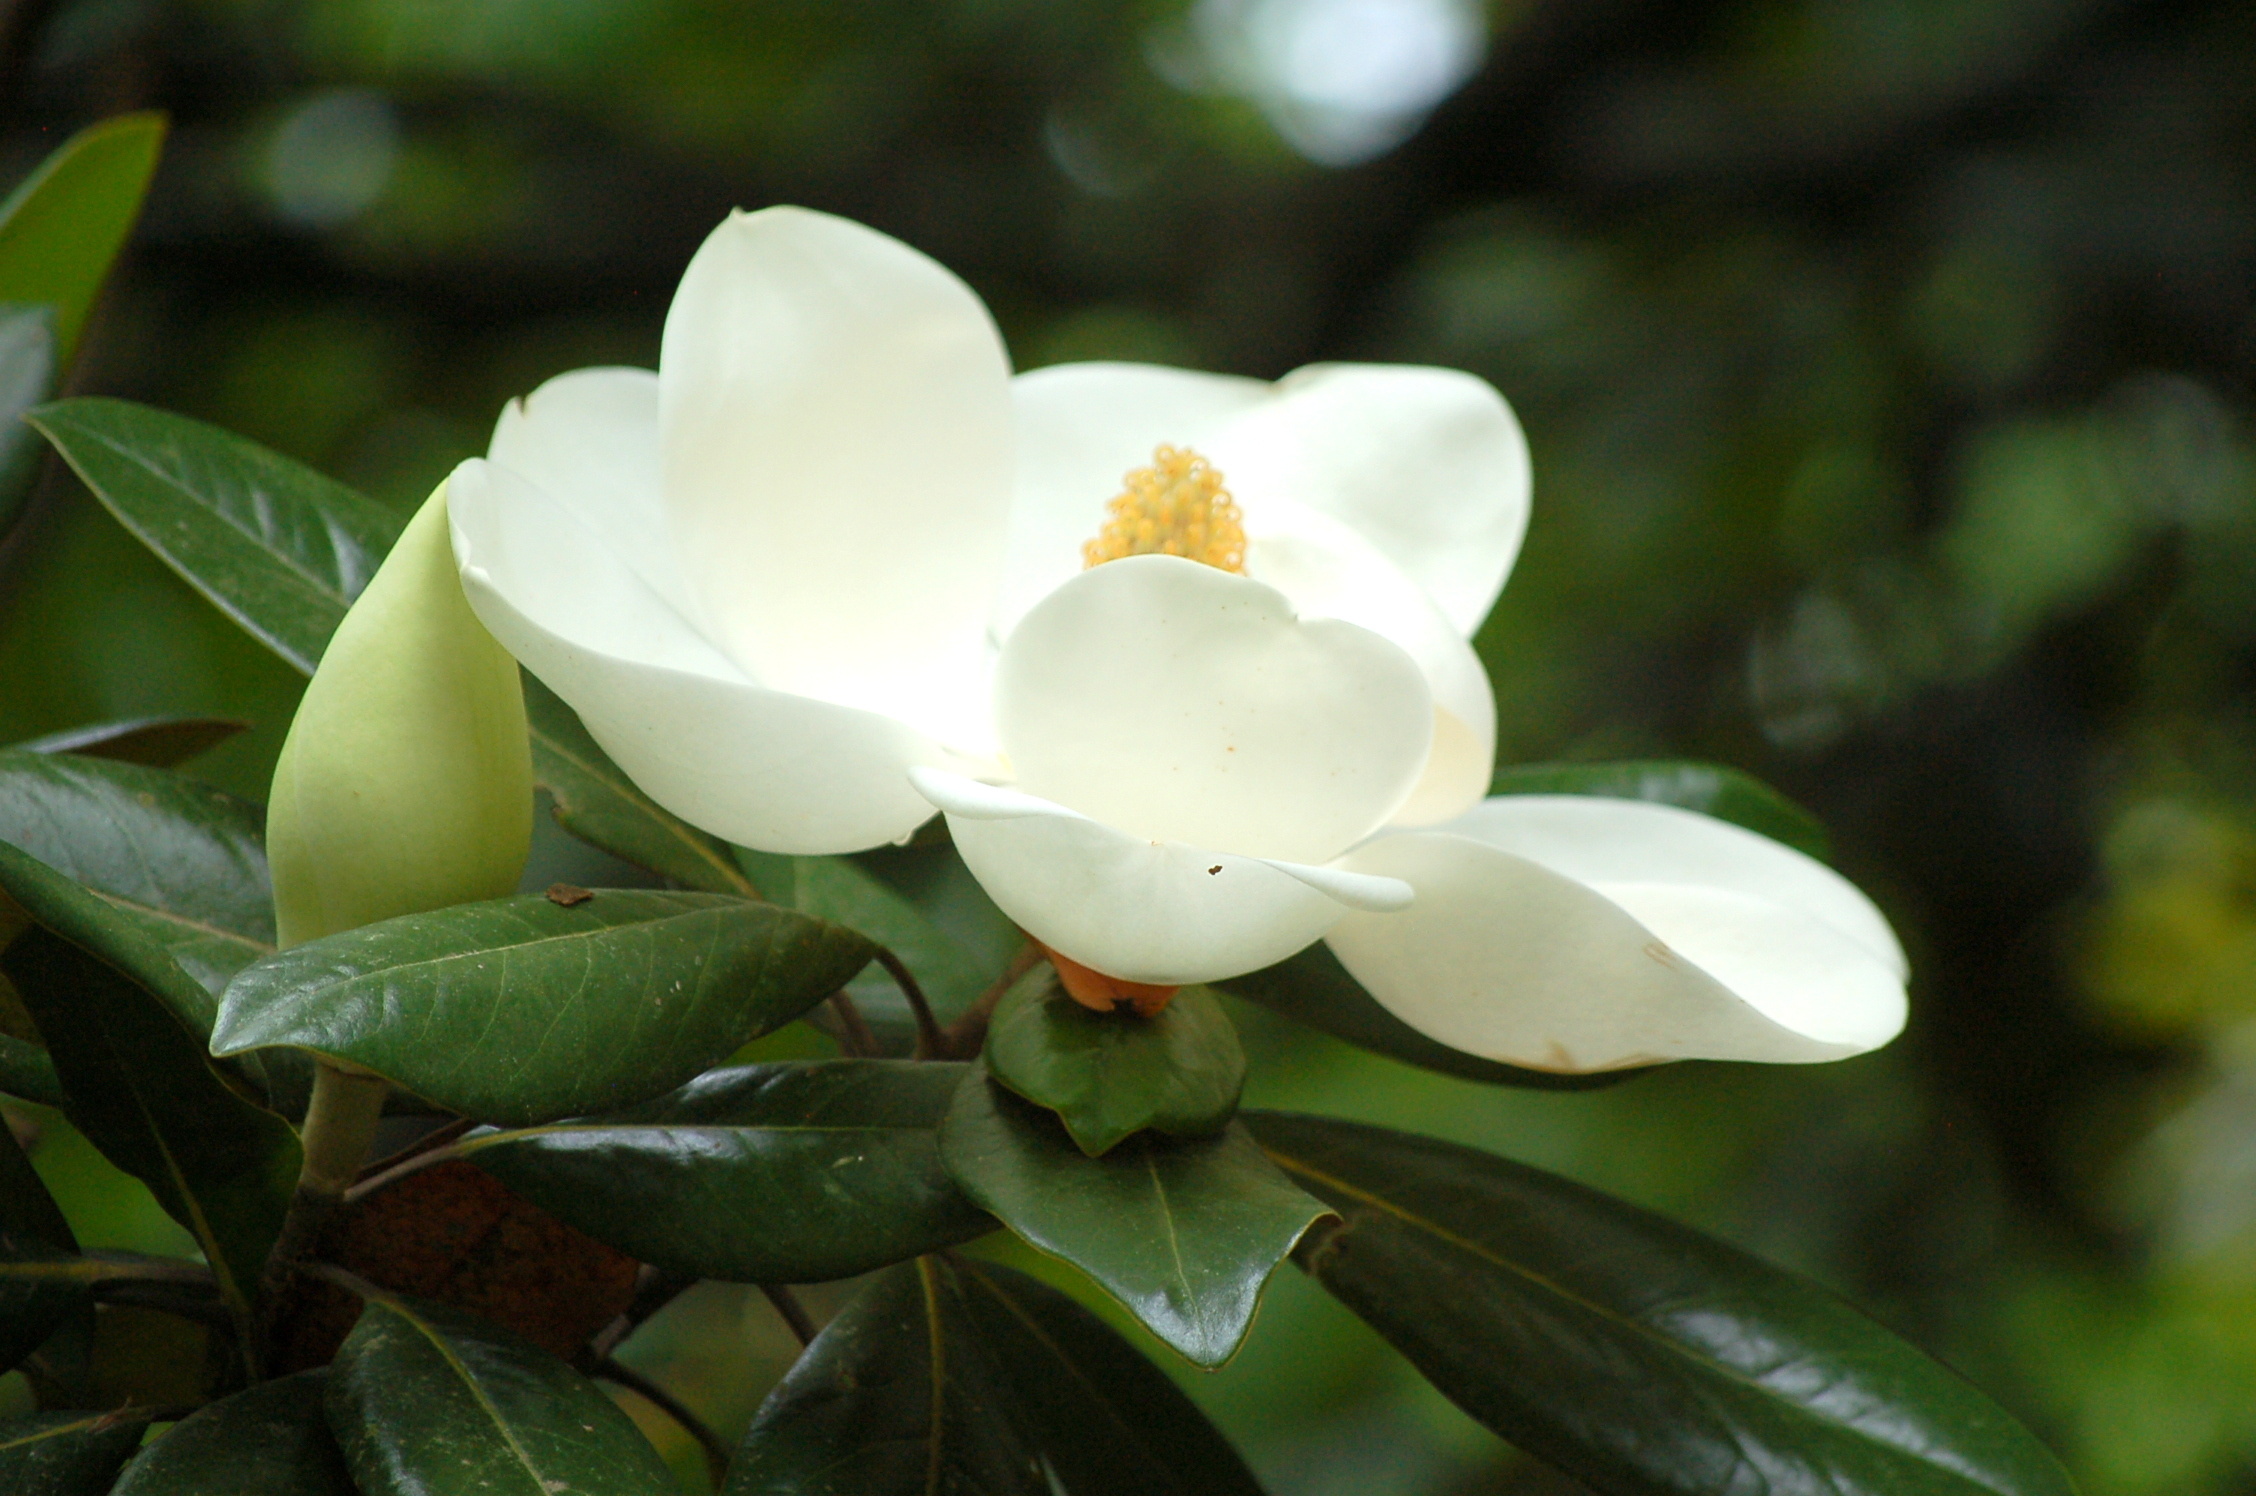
[836,436]
[1165,913]
[1183,704]
[762,768]
[1505,959]
[1427,464]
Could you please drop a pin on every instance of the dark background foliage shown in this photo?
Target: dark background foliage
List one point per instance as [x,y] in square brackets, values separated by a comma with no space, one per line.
[1886,365]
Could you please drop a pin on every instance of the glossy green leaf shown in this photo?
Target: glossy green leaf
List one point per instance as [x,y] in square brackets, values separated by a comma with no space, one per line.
[897,1397]
[1637,1355]
[66,1454]
[598,803]
[33,1236]
[63,226]
[170,874]
[793,1173]
[26,1072]
[429,1401]
[27,377]
[1711,789]
[160,742]
[269,1440]
[142,1089]
[839,890]
[523,1010]
[950,1375]
[1108,1075]
[1109,1422]
[1183,1233]
[276,546]
[1313,988]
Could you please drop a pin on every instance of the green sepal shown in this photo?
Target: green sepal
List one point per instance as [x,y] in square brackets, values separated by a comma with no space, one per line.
[1110,1075]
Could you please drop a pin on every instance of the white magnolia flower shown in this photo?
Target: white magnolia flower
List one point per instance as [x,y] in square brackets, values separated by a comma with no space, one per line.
[832,567]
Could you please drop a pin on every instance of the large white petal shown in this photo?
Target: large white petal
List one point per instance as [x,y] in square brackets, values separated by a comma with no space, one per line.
[1597,840]
[835,423]
[1167,913]
[1329,571]
[1180,703]
[1427,464]
[1081,429]
[1505,959]
[589,440]
[762,768]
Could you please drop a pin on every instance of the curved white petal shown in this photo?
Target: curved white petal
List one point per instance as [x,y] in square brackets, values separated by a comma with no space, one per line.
[589,440]
[1427,464]
[1506,959]
[1183,704]
[1081,429]
[835,426]
[1168,913]
[1593,839]
[762,768]
[1329,571]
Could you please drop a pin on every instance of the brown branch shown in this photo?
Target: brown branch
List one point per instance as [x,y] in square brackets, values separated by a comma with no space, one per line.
[654,1289]
[853,1029]
[931,1044]
[716,1451]
[965,1037]
[793,1313]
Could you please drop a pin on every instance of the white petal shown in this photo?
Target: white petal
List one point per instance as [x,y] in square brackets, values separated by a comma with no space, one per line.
[1597,840]
[1328,571]
[1167,913]
[589,440]
[1505,959]
[762,768]
[836,430]
[1081,429]
[1183,704]
[1427,464]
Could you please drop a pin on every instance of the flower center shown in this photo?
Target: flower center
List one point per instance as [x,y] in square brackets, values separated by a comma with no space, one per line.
[1175,507]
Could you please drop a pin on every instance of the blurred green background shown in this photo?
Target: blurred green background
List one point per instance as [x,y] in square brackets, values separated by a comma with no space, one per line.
[1887,368]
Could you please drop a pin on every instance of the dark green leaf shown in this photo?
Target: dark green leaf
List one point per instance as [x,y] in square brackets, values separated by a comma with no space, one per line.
[276,546]
[1636,1354]
[1108,1075]
[961,1376]
[271,1440]
[791,1173]
[523,1010]
[142,1089]
[1313,988]
[161,742]
[27,376]
[896,1397]
[1711,789]
[1183,1233]
[598,803]
[26,1073]
[66,1454]
[63,226]
[1109,1422]
[167,876]
[836,889]
[429,1400]
[33,1237]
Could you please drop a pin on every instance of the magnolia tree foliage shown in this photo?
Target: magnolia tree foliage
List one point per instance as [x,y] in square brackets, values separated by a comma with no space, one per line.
[828,571]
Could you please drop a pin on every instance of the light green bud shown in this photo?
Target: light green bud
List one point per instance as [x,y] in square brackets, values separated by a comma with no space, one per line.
[406,782]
